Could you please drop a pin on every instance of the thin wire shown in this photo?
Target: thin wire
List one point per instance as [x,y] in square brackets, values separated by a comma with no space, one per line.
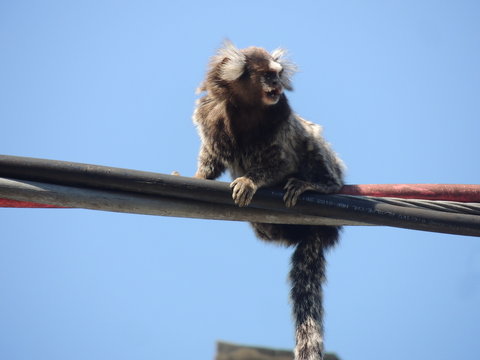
[437,205]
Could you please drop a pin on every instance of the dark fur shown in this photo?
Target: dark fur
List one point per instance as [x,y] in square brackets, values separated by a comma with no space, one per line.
[248,128]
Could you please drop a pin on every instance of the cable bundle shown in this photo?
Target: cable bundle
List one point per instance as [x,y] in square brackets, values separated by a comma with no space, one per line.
[29,182]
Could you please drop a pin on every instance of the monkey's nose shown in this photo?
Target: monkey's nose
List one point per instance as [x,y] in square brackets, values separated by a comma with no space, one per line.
[278,87]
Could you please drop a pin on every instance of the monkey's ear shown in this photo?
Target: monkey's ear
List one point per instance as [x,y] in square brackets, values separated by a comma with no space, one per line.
[231,62]
[280,55]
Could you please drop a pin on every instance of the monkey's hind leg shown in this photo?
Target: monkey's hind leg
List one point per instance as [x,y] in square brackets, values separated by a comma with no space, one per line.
[296,187]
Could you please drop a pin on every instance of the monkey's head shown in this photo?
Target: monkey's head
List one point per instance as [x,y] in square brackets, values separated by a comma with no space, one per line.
[250,76]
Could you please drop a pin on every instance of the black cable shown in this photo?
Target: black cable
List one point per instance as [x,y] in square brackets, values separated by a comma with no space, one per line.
[137,203]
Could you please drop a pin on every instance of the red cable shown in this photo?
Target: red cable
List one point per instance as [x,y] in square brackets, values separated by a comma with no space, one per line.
[460,193]
[7,203]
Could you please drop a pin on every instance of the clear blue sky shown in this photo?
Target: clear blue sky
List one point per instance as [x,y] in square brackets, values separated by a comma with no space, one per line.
[396,84]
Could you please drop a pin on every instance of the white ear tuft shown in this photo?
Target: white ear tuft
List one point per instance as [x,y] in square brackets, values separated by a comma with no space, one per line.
[278,53]
[289,68]
[232,62]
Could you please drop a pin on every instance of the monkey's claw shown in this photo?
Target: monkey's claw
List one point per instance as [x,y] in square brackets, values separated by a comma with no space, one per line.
[243,190]
[293,189]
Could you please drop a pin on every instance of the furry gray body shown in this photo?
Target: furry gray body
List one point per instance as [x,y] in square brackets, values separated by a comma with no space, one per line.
[248,128]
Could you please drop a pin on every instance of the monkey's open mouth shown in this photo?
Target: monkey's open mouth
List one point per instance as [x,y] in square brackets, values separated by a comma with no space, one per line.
[273,93]
[272,96]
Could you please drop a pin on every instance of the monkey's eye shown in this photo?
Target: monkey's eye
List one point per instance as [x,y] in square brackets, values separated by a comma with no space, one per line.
[270,75]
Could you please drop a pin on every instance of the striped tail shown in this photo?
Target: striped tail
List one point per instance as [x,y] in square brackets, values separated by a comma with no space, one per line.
[307,276]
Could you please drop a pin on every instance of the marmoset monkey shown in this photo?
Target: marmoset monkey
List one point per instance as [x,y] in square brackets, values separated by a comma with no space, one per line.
[248,128]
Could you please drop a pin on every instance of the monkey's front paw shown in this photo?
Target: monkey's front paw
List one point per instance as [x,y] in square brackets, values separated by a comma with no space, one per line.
[243,190]
[293,189]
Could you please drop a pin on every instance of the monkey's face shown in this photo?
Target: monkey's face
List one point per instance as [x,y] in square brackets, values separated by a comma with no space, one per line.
[272,88]
[265,76]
